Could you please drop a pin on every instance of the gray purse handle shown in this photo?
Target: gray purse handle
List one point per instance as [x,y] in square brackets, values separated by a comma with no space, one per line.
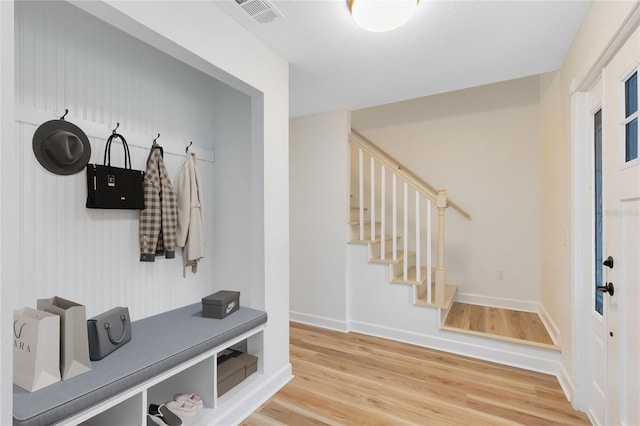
[107,325]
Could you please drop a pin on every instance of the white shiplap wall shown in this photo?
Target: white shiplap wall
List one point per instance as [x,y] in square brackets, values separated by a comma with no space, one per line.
[66,58]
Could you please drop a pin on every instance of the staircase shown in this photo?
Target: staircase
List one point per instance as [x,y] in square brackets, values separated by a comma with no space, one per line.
[400,219]
[393,215]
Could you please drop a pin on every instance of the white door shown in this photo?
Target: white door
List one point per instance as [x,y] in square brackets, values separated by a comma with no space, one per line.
[619,371]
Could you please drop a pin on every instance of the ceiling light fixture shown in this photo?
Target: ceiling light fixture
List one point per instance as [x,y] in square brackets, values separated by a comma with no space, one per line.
[381,15]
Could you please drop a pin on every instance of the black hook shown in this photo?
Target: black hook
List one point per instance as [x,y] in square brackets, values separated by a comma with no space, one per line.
[188,146]
[114,130]
[154,141]
[66,111]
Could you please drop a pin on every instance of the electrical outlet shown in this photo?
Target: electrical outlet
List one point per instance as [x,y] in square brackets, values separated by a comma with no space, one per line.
[500,274]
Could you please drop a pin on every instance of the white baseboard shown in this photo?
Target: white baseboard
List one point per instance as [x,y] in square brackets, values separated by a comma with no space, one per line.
[550,325]
[254,399]
[318,321]
[527,357]
[564,378]
[497,302]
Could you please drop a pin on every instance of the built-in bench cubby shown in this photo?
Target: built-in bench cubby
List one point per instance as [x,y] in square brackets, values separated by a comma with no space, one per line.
[126,412]
[170,353]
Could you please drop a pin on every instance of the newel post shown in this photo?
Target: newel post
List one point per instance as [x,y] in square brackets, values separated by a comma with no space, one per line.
[441,204]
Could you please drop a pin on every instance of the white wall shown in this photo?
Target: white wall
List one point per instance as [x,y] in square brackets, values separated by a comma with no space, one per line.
[557,214]
[104,75]
[199,34]
[318,165]
[481,145]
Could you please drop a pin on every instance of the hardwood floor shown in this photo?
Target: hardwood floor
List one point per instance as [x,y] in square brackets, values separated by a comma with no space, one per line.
[354,379]
[497,322]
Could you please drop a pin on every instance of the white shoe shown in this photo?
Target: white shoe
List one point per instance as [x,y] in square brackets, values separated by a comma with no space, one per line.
[193,399]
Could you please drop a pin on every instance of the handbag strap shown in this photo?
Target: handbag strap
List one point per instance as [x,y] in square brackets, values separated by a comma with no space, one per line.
[107,325]
[107,151]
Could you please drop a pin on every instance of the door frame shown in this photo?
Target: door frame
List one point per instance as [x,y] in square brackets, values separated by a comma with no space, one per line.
[576,381]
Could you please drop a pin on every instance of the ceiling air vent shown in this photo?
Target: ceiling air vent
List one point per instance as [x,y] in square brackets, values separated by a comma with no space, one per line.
[262,11]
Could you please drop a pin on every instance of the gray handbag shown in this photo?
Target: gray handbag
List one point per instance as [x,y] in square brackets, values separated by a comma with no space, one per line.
[108,331]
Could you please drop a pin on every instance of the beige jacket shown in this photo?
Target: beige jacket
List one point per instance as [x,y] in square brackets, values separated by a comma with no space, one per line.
[190,214]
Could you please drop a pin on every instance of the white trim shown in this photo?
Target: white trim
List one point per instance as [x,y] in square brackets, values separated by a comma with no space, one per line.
[497,302]
[625,31]
[36,116]
[581,256]
[527,357]
[255,397]
[564,378]
[550,325]
[319,321]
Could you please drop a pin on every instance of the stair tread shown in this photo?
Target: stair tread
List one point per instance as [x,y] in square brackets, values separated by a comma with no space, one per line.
[388,258]
[370,241]
[411,276]
[449,294]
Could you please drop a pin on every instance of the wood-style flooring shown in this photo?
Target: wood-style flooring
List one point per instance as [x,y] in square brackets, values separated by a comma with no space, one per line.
[505,324]
[354,379]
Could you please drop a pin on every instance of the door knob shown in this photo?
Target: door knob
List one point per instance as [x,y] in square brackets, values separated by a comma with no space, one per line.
[606,288]
[609,262]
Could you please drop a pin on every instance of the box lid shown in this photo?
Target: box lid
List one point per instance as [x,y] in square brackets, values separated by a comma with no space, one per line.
[221,297]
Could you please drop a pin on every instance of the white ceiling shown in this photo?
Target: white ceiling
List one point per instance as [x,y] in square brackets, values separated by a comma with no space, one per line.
[447,45]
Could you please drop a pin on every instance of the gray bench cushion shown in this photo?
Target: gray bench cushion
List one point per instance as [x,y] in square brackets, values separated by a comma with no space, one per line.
[158,343]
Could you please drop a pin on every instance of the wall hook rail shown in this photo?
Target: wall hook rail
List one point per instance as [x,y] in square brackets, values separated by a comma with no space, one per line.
[66,111]
[188,146]
[154,141]
[114,130]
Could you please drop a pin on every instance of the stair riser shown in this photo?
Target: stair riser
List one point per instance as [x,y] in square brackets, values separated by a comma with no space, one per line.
[398,269]
[376,248]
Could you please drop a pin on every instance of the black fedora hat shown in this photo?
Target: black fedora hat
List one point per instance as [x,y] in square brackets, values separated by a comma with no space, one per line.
[61,147]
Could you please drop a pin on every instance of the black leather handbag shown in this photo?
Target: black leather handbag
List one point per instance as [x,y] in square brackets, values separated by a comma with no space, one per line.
[108,331]
[110,187]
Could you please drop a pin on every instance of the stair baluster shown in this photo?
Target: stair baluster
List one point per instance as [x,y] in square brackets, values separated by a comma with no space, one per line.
[372,185]
[405,258]
[361,191]
[394,198]
[429,236]
[383,212]
[418,271]
[441,203]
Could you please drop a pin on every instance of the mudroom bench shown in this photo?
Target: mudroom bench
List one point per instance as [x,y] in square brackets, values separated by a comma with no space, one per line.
[169,353]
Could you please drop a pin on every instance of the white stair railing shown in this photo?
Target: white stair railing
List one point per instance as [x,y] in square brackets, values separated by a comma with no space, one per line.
[425,199]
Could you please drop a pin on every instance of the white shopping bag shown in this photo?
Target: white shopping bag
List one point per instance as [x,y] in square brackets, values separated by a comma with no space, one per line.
[74,341]
[36,348]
